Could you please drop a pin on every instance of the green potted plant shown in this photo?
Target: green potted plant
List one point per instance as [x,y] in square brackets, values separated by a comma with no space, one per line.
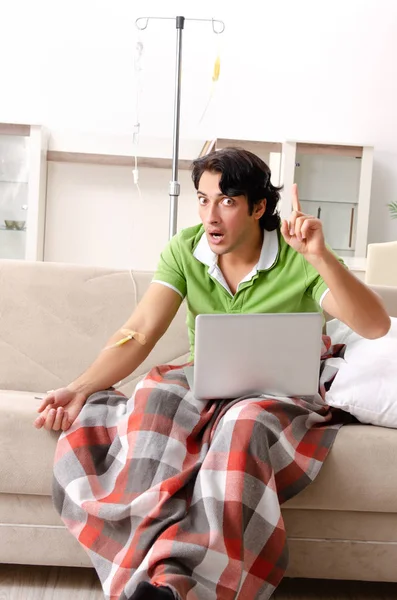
[393,209]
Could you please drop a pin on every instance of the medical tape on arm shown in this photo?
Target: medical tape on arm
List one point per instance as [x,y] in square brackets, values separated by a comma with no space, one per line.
[128,335]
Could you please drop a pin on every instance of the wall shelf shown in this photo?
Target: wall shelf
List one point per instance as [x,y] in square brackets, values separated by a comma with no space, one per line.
[114,160]
[2,228]
[256,146]
[119,150]
[328,201]
[329,149]
[13,182]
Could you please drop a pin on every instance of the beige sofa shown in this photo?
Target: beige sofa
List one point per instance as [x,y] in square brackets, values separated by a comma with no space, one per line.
[53,320]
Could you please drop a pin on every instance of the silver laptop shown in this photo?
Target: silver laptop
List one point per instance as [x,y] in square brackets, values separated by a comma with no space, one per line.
[237,355]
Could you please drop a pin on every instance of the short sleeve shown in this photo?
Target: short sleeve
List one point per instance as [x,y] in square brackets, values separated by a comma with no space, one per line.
[316,287]
[169,270]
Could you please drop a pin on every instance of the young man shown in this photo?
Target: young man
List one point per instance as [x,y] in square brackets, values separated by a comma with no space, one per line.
[240,259]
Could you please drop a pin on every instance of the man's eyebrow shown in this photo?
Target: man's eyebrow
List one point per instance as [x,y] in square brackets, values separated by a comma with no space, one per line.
[219,195]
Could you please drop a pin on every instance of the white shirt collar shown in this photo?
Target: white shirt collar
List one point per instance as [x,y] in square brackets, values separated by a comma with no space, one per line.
[267,258]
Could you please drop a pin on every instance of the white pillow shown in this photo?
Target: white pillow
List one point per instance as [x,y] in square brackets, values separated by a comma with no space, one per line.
[366,382]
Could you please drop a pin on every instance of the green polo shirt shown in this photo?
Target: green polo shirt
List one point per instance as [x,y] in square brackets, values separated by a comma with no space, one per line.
[282,281]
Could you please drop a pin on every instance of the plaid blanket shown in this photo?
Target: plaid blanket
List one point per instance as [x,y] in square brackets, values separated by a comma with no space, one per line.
[185,493]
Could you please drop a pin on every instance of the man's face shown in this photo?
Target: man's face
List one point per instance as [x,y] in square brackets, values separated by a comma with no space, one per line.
[226,220]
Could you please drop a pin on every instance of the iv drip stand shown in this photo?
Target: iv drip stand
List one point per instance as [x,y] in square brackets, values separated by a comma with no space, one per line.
[174,183]
[174,188]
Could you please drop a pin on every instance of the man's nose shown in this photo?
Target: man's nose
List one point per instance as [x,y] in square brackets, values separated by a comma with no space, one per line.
[213,214]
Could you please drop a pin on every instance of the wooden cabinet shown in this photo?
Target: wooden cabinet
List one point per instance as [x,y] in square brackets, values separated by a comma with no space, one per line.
[334,183]
[23,174]
[339,222]
[324,178]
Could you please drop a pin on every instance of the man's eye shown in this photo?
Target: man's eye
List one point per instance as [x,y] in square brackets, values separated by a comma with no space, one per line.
[227,202]
[202,200]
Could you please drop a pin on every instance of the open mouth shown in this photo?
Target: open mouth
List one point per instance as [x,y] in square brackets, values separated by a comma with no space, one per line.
[216,237]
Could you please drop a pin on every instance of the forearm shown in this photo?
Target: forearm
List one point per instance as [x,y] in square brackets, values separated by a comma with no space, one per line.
[355,304]
[151,320]
[112,365]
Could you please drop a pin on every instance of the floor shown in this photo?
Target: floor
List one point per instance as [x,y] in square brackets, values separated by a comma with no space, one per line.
[55,583]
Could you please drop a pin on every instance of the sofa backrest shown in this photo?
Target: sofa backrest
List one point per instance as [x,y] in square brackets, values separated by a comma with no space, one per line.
[55,318]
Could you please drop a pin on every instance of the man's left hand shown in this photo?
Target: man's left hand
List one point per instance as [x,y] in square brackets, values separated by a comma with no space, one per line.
[304,233]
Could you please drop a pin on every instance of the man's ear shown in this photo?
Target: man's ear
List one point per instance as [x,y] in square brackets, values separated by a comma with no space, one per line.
[260,209]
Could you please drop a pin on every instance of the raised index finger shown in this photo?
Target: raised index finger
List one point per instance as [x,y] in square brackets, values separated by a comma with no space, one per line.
[295,200]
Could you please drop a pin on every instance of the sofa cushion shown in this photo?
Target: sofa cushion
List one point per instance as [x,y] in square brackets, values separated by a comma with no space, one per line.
[28,509]
[41,545]
[26,453]
[59,316]
[356,475]
[27,468]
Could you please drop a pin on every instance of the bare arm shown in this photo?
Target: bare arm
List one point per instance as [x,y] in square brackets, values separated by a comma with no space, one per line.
[152,317]
[350,300]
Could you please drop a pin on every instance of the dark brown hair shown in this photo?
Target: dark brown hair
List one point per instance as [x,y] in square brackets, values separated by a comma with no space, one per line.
[242,174]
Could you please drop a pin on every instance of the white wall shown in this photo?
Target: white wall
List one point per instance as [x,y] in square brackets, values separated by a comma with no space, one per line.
[95,215]
[314,70]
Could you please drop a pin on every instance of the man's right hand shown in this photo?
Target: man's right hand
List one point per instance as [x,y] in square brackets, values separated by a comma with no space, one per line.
[59,409]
